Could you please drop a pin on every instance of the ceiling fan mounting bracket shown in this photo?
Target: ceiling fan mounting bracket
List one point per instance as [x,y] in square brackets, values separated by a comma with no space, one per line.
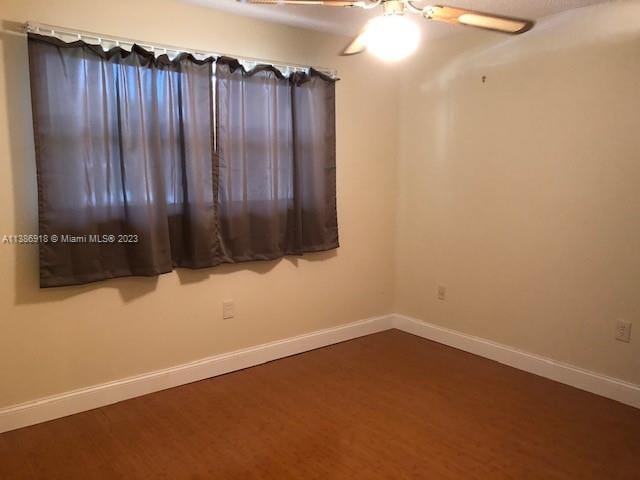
[393,7]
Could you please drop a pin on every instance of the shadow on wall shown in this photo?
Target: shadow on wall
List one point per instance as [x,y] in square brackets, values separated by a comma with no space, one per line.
[23,168]
[187,276]
[599,25]
[132,288]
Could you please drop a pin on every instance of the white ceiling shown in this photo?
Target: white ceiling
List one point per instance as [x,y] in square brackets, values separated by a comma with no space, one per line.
[347,21]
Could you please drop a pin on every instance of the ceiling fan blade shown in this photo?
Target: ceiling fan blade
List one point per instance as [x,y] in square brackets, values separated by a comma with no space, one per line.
[326,3]
[472,18]
[356,46]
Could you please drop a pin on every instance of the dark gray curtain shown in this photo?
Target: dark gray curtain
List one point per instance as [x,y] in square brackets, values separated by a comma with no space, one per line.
[129,178]
[276,146]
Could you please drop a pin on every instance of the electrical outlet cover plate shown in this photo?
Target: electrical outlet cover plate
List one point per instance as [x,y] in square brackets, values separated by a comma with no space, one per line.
[623,331]
[442,292]
[228,309]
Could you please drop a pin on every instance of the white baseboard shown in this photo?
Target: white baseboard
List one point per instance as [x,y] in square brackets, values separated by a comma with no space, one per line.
[613,388]
[84,399]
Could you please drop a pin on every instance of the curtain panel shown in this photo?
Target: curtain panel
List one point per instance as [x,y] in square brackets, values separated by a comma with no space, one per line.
[148,163]
[276,147]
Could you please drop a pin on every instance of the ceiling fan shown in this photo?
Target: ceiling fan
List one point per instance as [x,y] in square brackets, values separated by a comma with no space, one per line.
[392,36]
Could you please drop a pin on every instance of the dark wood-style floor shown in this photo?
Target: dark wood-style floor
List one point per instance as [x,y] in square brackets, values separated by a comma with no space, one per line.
[386,406]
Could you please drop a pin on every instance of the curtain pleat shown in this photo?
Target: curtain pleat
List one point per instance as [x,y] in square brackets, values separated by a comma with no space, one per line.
[126,161]
[255,148]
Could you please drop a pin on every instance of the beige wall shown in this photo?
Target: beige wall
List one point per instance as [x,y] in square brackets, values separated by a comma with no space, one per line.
[60,339]
[522,194]
[519,194]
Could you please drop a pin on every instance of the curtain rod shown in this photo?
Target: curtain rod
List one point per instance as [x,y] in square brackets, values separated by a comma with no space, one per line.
[64,33]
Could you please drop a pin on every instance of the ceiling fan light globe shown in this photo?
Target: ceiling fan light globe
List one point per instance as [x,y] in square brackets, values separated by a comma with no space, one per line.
[391,37]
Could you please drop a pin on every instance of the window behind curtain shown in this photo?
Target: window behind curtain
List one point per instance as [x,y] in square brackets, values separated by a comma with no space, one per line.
[125,147]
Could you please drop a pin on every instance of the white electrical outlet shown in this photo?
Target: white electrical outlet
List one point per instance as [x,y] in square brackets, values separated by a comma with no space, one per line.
[228,309]
[442,292]
[623,331]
